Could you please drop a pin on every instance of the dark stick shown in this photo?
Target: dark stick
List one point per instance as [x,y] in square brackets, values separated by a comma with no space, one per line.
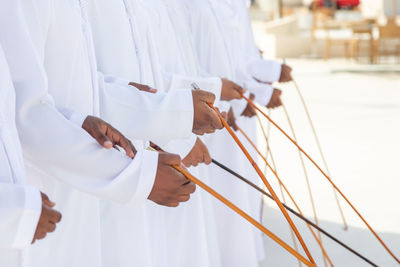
[294,212]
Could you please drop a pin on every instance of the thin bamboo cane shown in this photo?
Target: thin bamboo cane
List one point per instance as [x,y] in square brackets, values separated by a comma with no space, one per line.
[314,209]
[292,235]
[287,191]
[269,187]
[262,191]
[327,177]
[320,151]
[244,215]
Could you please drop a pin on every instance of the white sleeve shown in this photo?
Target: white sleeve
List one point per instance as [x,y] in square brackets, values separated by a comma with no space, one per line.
[141,115]
[20,209]
[180,147]
[239,105]
[72,115]
[20,205]
[209,84]
[262,91]
[264,70]
[51,142]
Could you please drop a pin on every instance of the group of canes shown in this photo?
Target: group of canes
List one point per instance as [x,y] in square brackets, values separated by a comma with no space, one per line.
[112,112]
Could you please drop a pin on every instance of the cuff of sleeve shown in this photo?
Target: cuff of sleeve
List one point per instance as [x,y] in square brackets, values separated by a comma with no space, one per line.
[116,80]
[212,85]
[147,176]
[265,70]
[276,71]
[209,84]
[78,118]
[184,119]
[262,92]
[29,219]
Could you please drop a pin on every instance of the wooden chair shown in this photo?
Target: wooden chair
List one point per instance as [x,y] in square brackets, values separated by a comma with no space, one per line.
[388,43]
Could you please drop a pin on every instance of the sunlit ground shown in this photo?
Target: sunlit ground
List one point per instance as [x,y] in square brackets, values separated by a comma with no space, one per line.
[356,111]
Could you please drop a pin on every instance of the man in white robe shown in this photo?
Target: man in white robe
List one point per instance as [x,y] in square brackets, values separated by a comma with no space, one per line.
[127,45]
[75,160]
[219,34]
[26,214]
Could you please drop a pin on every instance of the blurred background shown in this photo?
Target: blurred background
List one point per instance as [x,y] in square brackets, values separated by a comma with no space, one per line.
[346,60]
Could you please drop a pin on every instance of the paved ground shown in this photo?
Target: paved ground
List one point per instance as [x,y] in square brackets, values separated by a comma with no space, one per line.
[356,110]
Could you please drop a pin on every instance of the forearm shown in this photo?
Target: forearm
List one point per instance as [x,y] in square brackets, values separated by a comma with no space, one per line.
[53,144]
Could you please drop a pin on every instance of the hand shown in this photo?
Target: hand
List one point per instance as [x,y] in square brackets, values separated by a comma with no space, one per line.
[249,111]
[275,99]
[232,120]
[198,154]
[143,87]
[205,118]
[108,136]
[286,74]
[230,90]
[49,217]
[170,187]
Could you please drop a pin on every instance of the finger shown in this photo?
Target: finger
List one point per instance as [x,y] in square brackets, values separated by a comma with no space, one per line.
[207,157]
[215,120]
[50,227]
[54,216]
[40,235]
[183,198]
[188,188]
[209,130]
[239,89]
[171,204]
[46,200]
[143,87]
[279,102]
[186,162]
[102,138]
[123,142]
[199,132]
[148,89]
[170,159]
[224,115]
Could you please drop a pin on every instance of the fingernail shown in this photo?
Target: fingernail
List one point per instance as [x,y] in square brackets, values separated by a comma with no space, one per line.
[108,144]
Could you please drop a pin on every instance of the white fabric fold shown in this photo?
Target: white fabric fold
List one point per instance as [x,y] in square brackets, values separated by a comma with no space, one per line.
[265,70]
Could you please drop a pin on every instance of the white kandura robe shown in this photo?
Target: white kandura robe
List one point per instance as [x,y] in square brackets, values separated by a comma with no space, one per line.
[20,204]
[183,241]
[63,42]
[190,228]
[124,50]
[125,230]
[220,40]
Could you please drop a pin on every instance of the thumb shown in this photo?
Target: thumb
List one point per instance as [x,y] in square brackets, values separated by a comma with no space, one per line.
[102,138]
[239,89]
[206,156]
[46,200]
